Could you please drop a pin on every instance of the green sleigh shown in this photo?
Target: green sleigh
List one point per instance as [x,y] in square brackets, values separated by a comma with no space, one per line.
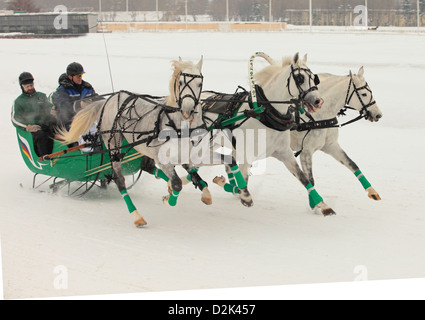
[78,171]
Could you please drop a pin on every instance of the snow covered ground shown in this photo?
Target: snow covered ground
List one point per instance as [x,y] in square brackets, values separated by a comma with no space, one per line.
[55,246]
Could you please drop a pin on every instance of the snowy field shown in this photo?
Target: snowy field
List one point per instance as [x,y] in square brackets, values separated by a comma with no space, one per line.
[256,252]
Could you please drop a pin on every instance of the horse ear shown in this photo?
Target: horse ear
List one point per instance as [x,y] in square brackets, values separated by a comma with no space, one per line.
[200,63]
[360,74]
[305,59]
[180,59]
[296,58]
[351,74]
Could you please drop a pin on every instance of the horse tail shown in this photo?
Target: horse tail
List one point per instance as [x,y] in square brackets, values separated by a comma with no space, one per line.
[81,123]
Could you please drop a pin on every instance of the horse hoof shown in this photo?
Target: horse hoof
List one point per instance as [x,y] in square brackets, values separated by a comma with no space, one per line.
[140,224]
[221,181]
[373,194]
[207,201]
[375,197]
[328,212]
[165,200]
[206,197]
[138,219]
[247,204]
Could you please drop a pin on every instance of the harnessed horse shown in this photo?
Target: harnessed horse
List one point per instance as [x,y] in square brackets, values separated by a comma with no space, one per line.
[279,85]
[348,92]
[140,119]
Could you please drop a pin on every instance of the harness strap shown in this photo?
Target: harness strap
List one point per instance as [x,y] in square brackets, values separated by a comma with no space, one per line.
[322,124]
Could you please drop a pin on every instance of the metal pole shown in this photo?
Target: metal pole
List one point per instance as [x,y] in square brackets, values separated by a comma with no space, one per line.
[311,15]
[367,14]
[419,14]
[270,11]
[100,6]
[157,10]
[186,13]
[126,5]
[227,11]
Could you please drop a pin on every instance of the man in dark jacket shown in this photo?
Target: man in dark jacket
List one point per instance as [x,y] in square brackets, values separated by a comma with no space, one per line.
[31,111]
[72,89]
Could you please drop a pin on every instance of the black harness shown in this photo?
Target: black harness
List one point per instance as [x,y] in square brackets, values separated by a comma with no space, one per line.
[188,78]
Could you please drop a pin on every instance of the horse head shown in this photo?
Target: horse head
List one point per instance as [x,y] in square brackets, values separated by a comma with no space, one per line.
[305,82]
[186,87]
[365,103]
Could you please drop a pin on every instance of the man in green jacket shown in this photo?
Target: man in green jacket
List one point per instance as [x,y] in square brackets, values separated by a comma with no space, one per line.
[31,111]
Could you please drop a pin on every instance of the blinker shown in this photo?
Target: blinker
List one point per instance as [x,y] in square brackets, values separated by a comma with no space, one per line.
[316,80]
[299,79]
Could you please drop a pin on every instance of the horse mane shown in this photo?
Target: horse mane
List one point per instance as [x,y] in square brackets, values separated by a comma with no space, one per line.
[178,66]
[269,73]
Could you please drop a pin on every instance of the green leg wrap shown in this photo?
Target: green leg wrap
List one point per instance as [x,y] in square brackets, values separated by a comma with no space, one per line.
[130,205]
[202,182]
[195,169]
[231,188]
[172,201]
[365,183]
[232,179]
[240,181]
[313,196]
[160,174]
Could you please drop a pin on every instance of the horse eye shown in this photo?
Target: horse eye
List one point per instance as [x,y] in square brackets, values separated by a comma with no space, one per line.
[364,94]
[316,80]
[181,82]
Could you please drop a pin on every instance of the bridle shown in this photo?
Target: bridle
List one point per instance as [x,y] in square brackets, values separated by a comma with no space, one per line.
[363,112]
[299,79]
[188,79]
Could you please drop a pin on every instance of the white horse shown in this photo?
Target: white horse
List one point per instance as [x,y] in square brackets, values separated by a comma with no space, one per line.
[140,119]
[339,92]
[280,83]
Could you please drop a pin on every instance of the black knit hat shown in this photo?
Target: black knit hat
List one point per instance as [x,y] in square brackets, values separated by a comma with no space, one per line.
[25,78]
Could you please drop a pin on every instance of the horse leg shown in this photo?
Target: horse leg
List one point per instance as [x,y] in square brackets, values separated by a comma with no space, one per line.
[241,183]
[148,165]
[230,187]
[120,182]
[339,154]
[306,160]
[198,182]
[175,183]
[315,199]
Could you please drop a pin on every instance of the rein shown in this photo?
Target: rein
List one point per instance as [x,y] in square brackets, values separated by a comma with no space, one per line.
[127,106]
[333,123]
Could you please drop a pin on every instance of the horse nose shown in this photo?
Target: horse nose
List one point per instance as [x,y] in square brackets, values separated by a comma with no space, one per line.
[187,115]
[319,103]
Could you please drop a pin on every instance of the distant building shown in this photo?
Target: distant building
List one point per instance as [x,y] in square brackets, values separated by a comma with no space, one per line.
[70,23]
